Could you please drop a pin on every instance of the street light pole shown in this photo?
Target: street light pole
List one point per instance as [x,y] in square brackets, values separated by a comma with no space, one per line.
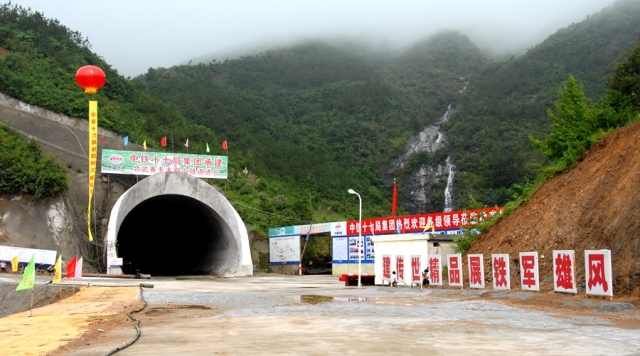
[360,244]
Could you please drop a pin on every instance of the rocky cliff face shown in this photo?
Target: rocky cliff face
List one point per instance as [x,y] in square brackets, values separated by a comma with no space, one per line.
[424,187]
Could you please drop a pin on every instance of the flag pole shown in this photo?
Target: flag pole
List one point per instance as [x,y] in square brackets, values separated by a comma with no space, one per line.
[225,181]
[31,312]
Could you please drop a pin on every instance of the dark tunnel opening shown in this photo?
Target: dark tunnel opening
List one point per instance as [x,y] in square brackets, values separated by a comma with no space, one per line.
[170,235]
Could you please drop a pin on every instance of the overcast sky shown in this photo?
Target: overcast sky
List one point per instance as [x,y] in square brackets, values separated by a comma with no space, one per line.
[135,35]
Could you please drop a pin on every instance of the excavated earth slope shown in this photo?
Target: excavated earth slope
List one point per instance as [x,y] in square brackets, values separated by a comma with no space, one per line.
[596,205]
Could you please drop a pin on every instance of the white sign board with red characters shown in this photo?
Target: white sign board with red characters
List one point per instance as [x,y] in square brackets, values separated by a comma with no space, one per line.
[435,270]
[597,271]
[476,271]
[416,274]
[386,268]
[500,271]
[529,273]
[406,255]
[564,271]
[400,269]
[455,270]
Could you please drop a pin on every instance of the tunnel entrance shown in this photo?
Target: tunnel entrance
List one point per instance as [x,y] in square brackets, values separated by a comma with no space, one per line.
[173,235]
[172,224]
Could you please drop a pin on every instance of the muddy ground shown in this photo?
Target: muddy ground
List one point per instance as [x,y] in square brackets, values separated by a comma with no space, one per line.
[317,315]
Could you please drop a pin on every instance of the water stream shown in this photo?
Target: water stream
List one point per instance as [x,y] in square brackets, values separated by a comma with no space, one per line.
[448,190]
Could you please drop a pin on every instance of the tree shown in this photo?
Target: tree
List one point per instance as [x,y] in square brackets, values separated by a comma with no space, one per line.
[626,79]
[571,125]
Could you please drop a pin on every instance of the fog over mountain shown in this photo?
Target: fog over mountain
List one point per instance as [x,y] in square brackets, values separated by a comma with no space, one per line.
[136,35]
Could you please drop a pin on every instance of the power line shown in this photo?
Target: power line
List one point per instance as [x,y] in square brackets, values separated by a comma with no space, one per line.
[268,213]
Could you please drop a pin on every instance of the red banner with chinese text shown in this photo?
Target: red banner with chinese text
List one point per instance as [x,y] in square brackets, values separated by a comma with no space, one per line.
[416,223]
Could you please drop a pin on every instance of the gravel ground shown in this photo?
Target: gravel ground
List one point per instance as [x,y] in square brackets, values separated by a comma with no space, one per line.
[316,315]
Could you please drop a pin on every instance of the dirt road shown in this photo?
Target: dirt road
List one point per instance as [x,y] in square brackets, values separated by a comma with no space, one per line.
[317,315]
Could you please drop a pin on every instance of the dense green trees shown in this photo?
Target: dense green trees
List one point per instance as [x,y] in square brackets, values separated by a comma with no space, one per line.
[489,133]
[25,170]
[626,80]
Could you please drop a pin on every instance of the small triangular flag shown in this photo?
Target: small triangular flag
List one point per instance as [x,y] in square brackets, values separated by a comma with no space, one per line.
[126,140]
[208,150]
[57,276]
[29,276]
[144,144]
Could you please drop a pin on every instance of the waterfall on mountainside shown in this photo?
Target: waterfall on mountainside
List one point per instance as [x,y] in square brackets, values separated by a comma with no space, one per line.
[448,190]
[419,184]
[465,83]
[445,118]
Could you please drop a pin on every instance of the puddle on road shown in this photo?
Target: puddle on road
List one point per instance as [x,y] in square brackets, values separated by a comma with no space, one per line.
[194,307]
[316,299]
[173,308]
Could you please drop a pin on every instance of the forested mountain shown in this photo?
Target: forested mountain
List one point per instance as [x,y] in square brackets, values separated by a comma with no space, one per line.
[307,122]
[489,134]
[351,117]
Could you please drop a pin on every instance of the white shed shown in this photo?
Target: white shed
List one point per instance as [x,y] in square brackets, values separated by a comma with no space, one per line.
[406,254]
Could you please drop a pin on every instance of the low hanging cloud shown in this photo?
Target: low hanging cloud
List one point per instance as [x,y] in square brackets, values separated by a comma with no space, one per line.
[136,35]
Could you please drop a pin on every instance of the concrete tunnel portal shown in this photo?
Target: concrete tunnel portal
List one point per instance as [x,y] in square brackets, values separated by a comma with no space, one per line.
[175,224]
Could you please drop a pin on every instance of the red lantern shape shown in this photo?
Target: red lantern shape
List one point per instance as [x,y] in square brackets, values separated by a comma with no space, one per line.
[90,78]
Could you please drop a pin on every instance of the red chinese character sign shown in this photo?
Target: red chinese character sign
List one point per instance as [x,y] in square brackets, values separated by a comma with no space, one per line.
[500,271]
[386,267]
[415,269]
[476,271]
[435,270]
[529,274]
[400,268]
[564,278]
[455,270]
[597,271]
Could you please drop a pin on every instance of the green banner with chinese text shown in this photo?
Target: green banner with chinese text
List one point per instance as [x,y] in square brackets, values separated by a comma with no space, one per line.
[149,163]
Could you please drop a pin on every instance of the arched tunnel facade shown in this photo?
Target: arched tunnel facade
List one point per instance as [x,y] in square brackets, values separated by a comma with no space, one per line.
[175,224]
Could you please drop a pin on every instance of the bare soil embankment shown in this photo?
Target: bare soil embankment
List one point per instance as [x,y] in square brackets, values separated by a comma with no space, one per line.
[596,205]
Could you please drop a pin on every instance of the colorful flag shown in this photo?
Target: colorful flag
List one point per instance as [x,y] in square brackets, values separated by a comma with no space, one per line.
[163,141]
[14,264]
[71,267]
[208,150]
[394,202]
[126,140]
[186,144]
[57,277]
[224,145]
[144,144]
[29,276]
[78,273]
[428,226]
[102,138]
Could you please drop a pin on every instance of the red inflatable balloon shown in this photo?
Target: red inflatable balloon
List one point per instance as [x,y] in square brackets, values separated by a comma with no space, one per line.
[90,78]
